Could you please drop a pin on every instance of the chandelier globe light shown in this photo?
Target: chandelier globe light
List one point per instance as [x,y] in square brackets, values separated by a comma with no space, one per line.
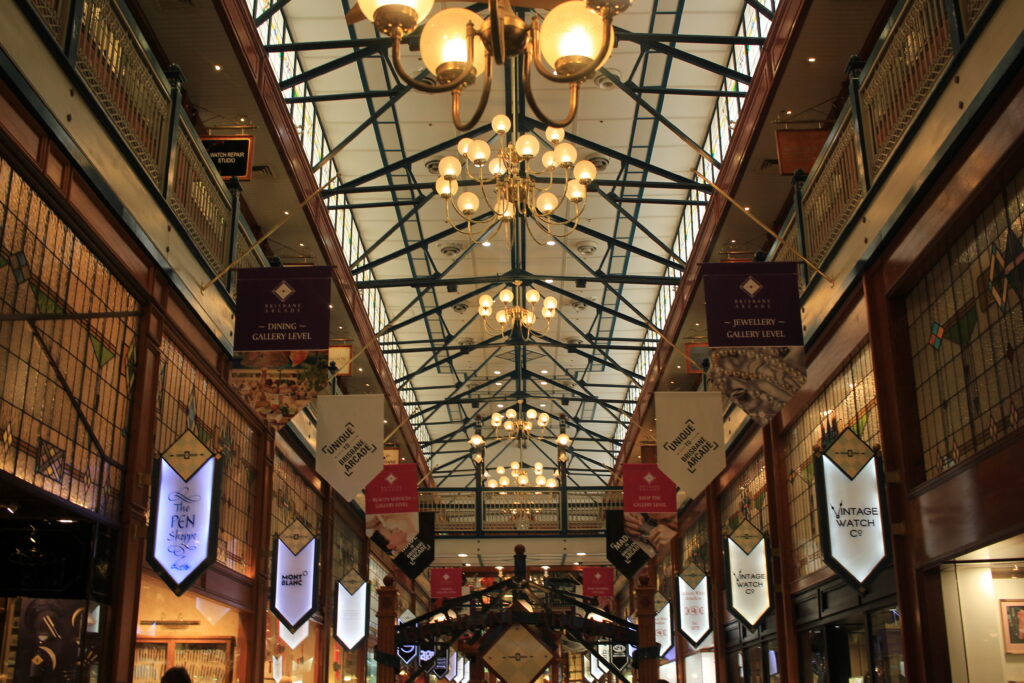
[515,423]
[459,47]
[519,476]
[510,184]
[518,310]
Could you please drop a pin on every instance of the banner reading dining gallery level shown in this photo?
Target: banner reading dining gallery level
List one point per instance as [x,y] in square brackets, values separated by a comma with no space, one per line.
[752,303]
[393,504]
[283,309]
[690,441]
[350,441]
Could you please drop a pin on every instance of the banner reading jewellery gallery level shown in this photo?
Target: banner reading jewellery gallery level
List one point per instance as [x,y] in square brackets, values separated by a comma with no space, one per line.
[753,303]
[295,575]
[848,479]
[282,323]
[689,431]
[350,441]
[183,512]
[746,568]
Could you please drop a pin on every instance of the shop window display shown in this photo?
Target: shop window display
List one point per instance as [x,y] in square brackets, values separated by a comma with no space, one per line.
[50,640]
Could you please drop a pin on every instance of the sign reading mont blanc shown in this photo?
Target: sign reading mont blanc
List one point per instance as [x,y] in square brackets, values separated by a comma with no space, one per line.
[694,604]
[646,489]
[350,441]
[746,565]
[183,512]
[689,431]
[283,309]
[848,479]
[752,304]
[350,616]
[294,577]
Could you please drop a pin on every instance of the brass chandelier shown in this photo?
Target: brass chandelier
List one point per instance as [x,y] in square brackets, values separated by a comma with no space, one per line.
[458,45]
[518,309]
[515,424]
[510,187]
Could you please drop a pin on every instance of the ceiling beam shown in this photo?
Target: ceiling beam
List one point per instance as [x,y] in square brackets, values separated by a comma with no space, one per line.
[646,38]
[327,67]
[437,281]
[341,97]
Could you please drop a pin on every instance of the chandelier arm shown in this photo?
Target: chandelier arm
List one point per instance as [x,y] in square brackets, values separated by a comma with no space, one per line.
[484,96]
[533,49]
[574,90]
[396,59]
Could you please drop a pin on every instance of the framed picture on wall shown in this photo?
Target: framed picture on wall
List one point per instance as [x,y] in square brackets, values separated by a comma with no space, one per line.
[1011,612]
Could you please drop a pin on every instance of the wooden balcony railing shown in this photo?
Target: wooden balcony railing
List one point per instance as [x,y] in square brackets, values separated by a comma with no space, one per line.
[54,13]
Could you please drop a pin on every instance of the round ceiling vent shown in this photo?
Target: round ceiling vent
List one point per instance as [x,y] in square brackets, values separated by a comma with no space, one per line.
[573,341]
[451,249]
[586,248]
[460,307]
[603,82]
[467,341]
[432,165]
[599,162]
[577,305]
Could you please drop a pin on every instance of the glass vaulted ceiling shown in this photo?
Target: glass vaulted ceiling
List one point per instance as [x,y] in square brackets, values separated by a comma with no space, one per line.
[429,336]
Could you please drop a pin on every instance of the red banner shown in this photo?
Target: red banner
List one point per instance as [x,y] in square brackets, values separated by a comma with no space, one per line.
[599,582]
[394,490]
[446,582]
[645,488]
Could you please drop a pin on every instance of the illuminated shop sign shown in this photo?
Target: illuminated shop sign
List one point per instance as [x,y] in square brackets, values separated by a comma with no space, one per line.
[620,656]
[183,512]
[350,617]
[851,508]
[295,579]
[694,604]
[746,568]
[663,629]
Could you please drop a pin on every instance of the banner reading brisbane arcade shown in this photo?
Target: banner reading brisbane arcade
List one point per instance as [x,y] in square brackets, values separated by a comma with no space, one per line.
[350,441]
[690,441]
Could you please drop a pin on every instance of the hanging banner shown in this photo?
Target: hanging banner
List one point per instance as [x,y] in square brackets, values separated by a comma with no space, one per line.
[183,512]
[663,629]
[518,656]
[746,567]
[753,303]
[295,575]
[340,359]
[282,323]
[620,658]
[393,504]
[599,582]
[408,653]
[851,509]
[441,662]
[351,611]
[645,489]
[231,155]
[758,380]
[350,441]
[292,640]
[445,583]
[690,438]
[694,604]
[419,554]
[622,549]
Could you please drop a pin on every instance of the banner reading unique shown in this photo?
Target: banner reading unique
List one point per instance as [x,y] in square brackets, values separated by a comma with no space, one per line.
[231,155]
[690,440]
[445,582]
[350,441]
[599,582]
[758,380]
[694,604]
[746,567]
[351,612]
[848,478]
[419,554]
[645,489]
[183,512]
[622,549]
[393,504]
[755,303]
[295,575]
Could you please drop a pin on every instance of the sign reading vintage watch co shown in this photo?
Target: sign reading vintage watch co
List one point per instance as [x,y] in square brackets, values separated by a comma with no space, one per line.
[848,478]
[746,567]
[295,578]
[183,512]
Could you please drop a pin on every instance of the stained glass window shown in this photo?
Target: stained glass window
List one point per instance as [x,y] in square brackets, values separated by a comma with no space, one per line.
[67,381]
[695,544]
[294,498]
[189,402]
[746,498]
[847,401]
[966,318]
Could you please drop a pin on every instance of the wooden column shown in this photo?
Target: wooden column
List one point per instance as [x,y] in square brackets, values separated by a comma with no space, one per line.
[647,669]
[387,614]
[476,667]
[264,490]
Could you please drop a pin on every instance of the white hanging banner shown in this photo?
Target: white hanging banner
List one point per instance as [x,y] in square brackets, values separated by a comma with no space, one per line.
[292,640]
[746,568]
[851,509]
[349,441]
[295,576]
[350,616]
[183,512]
[663,629]
[694,604]
[690,438]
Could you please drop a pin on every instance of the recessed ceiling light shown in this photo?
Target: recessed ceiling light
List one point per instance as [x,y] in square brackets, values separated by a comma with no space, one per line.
[485,243]
[241,119]
[497,384]
[302,244]
[543,372]
[698,324]
[463,555]
[789,112]
[217,67]
[468,564]
[497,372]
[576,563]
[543,384]
[581,554]
[812,60]
[732,241]
[286,213]
[501,405]
[551,243]
[330,305]
[543,405]
[340,327]
[746,208]
[678,367]
[367,384]
[359,369]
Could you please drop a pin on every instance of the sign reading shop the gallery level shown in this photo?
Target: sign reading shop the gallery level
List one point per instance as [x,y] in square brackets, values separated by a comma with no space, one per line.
[752,304]
[646,489]
[848,479]
[294,576]
[746,565]
[283,309]
[689,432]
[183,512]
[350,441]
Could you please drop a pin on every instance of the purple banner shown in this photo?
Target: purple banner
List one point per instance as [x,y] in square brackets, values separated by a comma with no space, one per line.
[283,309]
[752,304]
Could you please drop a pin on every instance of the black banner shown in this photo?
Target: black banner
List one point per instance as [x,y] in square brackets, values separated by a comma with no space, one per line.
[623,551]
[419,554]
[441,659]
[620,656]
[232,155]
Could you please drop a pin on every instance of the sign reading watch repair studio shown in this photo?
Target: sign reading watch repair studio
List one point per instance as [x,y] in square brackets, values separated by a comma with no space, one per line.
[848,478]
[752,304]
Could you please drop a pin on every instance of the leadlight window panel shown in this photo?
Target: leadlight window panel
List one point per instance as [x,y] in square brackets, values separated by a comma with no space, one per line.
[966,318]
[695,544]
[376,579]
[847,401]
[188,401]
[46,269]
[347,551]
[294,498]
[746,497]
